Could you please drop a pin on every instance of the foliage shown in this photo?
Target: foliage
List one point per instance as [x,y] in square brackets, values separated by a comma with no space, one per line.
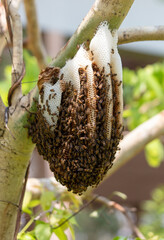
[51,211]
[143,93]
[29,81]
[150,236]
[144,98]
[152,219]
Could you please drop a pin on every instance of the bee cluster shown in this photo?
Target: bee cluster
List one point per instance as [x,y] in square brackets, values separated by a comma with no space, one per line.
[74,135]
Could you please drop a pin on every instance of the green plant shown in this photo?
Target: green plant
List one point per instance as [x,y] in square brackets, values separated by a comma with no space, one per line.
[151,220]
[29,80]
[49,214]
[144,98]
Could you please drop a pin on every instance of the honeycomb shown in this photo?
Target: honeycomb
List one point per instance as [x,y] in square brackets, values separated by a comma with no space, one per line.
[78,124]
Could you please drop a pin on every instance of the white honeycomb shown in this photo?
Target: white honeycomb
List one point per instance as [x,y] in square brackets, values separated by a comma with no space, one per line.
[102,51]
[91,96]
[52,97]
[117,69]
[70,70]
[101,47]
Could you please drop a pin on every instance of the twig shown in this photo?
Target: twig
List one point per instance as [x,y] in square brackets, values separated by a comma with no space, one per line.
[74,214]
[112,204]
[2,110]
[140,34]
[131,145]
[34,37]
[3,28]
[101,199]
[4,34]
[15,86]
[8,20]
[20,203]
[30,222]
[51,209]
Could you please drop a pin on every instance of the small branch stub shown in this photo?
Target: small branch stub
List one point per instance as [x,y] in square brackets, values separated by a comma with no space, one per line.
[79,117]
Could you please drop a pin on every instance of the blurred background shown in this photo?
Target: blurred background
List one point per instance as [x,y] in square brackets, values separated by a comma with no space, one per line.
[141,179]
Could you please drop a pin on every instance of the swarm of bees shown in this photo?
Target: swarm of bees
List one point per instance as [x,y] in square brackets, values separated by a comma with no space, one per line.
[78,124]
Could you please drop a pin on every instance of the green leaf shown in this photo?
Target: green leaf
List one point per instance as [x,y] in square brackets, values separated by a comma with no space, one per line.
[73,221]
[29,81]
[154,153]
[46,200]
[32,71]
[60,234]
[65,225]
[26,236]
[34,203]
[28,211]
[94,214]
[26,200]
[43,231]
[120,194]
[120,238]
[72,231]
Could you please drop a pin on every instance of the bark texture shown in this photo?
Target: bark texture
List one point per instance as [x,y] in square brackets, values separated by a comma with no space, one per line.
[112,11]
[15,151]
[141,34]
[15,146]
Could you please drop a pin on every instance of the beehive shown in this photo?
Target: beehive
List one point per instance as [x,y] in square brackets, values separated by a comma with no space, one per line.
[78,124]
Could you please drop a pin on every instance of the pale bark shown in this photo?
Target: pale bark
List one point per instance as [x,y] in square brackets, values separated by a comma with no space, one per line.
[2,109]
[2,43]
[34,42]
[3,28]
[15,151]
[112,11]
[17,66]
[15,147]
[14,161]
[4,36]
[131,145]
[140,34]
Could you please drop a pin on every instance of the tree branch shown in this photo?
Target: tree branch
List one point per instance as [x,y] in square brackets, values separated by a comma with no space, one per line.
[135,141]
[15,154]
[140,34]
[111,204]
[3,28]
[34,38]
[35,186]
[18,66]
[103,10]
[14,159]
[2,110]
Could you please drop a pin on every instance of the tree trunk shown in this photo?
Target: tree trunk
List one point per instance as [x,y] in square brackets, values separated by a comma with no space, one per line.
[15,146]
[14,162]
[15,152]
